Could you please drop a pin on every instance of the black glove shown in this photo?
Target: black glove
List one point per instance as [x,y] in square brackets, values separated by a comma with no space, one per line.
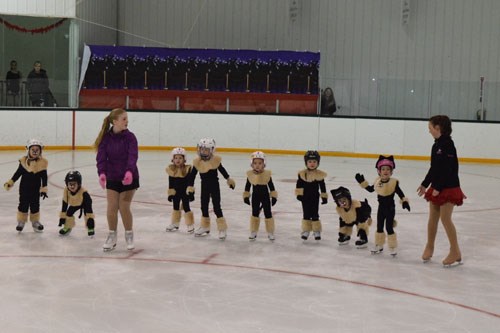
[191,196]
[43,195]
[170,198]
[359,178]
[324,201]
[406,206]
[247,201]
[90,227]
[299,197]
[62,221]
[273,201]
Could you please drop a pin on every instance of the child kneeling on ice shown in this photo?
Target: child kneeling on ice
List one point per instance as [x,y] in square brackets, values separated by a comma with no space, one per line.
[352,212]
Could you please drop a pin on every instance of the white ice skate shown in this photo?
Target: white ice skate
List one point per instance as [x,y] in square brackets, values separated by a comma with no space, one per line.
[253,236]
[37,226]
[20,226]
[304,235]
[271,237]
[317,235]
[110,243]
[201,231]
[172,227]
[393,251]
[222,234]
[129,238]
[377,249]
[190,229]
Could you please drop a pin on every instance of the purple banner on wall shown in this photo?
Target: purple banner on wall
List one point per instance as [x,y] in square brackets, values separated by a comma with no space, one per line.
[128,67]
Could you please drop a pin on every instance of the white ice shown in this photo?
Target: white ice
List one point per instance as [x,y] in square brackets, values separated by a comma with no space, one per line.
[174,282]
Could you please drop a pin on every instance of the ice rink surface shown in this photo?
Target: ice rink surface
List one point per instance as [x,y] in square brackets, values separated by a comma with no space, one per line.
[174,282]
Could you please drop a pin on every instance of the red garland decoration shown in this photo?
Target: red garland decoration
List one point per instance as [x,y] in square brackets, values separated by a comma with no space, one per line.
[32,31]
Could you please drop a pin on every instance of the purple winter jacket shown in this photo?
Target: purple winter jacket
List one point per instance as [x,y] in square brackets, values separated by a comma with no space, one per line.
[117,154]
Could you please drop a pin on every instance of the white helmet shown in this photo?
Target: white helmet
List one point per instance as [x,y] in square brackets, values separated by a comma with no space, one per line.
[208,143]
[178,151]
[34,142]
[258,154]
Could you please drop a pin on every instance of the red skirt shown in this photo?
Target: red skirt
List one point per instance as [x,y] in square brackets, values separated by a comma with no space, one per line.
[453,195]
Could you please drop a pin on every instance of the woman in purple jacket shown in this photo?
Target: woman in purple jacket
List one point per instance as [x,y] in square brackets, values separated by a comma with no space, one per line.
[117,155]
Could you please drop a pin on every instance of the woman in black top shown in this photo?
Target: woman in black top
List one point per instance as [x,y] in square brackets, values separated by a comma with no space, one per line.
[444,191]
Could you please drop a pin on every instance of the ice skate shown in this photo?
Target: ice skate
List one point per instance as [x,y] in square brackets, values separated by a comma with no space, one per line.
[427,255]
[190,229]
[37,226]
[91,232]
[253,236]
[201,231]
[361,243]
[222,227]
[20,226]
[452,260]
[173,227]
[176,218]
[377,249]
[392,242]
[317,235]
[271,237]
[64,231]
[129,238]
[110,243]
[204,228]
[304,235]
[343,239]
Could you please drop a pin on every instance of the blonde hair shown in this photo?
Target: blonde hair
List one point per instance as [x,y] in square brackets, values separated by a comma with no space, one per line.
[106,124]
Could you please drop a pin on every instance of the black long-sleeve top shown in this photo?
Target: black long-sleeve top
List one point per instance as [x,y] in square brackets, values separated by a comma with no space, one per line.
[443,172]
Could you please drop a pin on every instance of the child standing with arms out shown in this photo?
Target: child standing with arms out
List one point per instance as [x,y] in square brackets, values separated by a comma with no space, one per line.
[441,188]
[309,182]
[208,165]
[263,197]
[178,173]
[33,173]
[352,212]
[386,187]
[75,198]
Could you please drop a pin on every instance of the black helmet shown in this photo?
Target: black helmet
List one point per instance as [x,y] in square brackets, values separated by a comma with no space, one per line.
[312,155]
[341,192]
[73,176]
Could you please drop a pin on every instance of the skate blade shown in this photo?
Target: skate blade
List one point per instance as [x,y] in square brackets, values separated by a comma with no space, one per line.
[425,261]
[343,243]
[393,255]
[362,246]
[201,235]
[454,264]
[377,252]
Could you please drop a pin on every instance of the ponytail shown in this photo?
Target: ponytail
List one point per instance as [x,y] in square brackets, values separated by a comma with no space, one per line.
[106,125]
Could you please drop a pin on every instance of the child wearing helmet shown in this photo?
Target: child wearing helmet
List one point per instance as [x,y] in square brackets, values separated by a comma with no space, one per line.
[352,213]
[386,187]
[263,197]
[208,165]
[309,182]
[75,198]
[32,170]
[178,173]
